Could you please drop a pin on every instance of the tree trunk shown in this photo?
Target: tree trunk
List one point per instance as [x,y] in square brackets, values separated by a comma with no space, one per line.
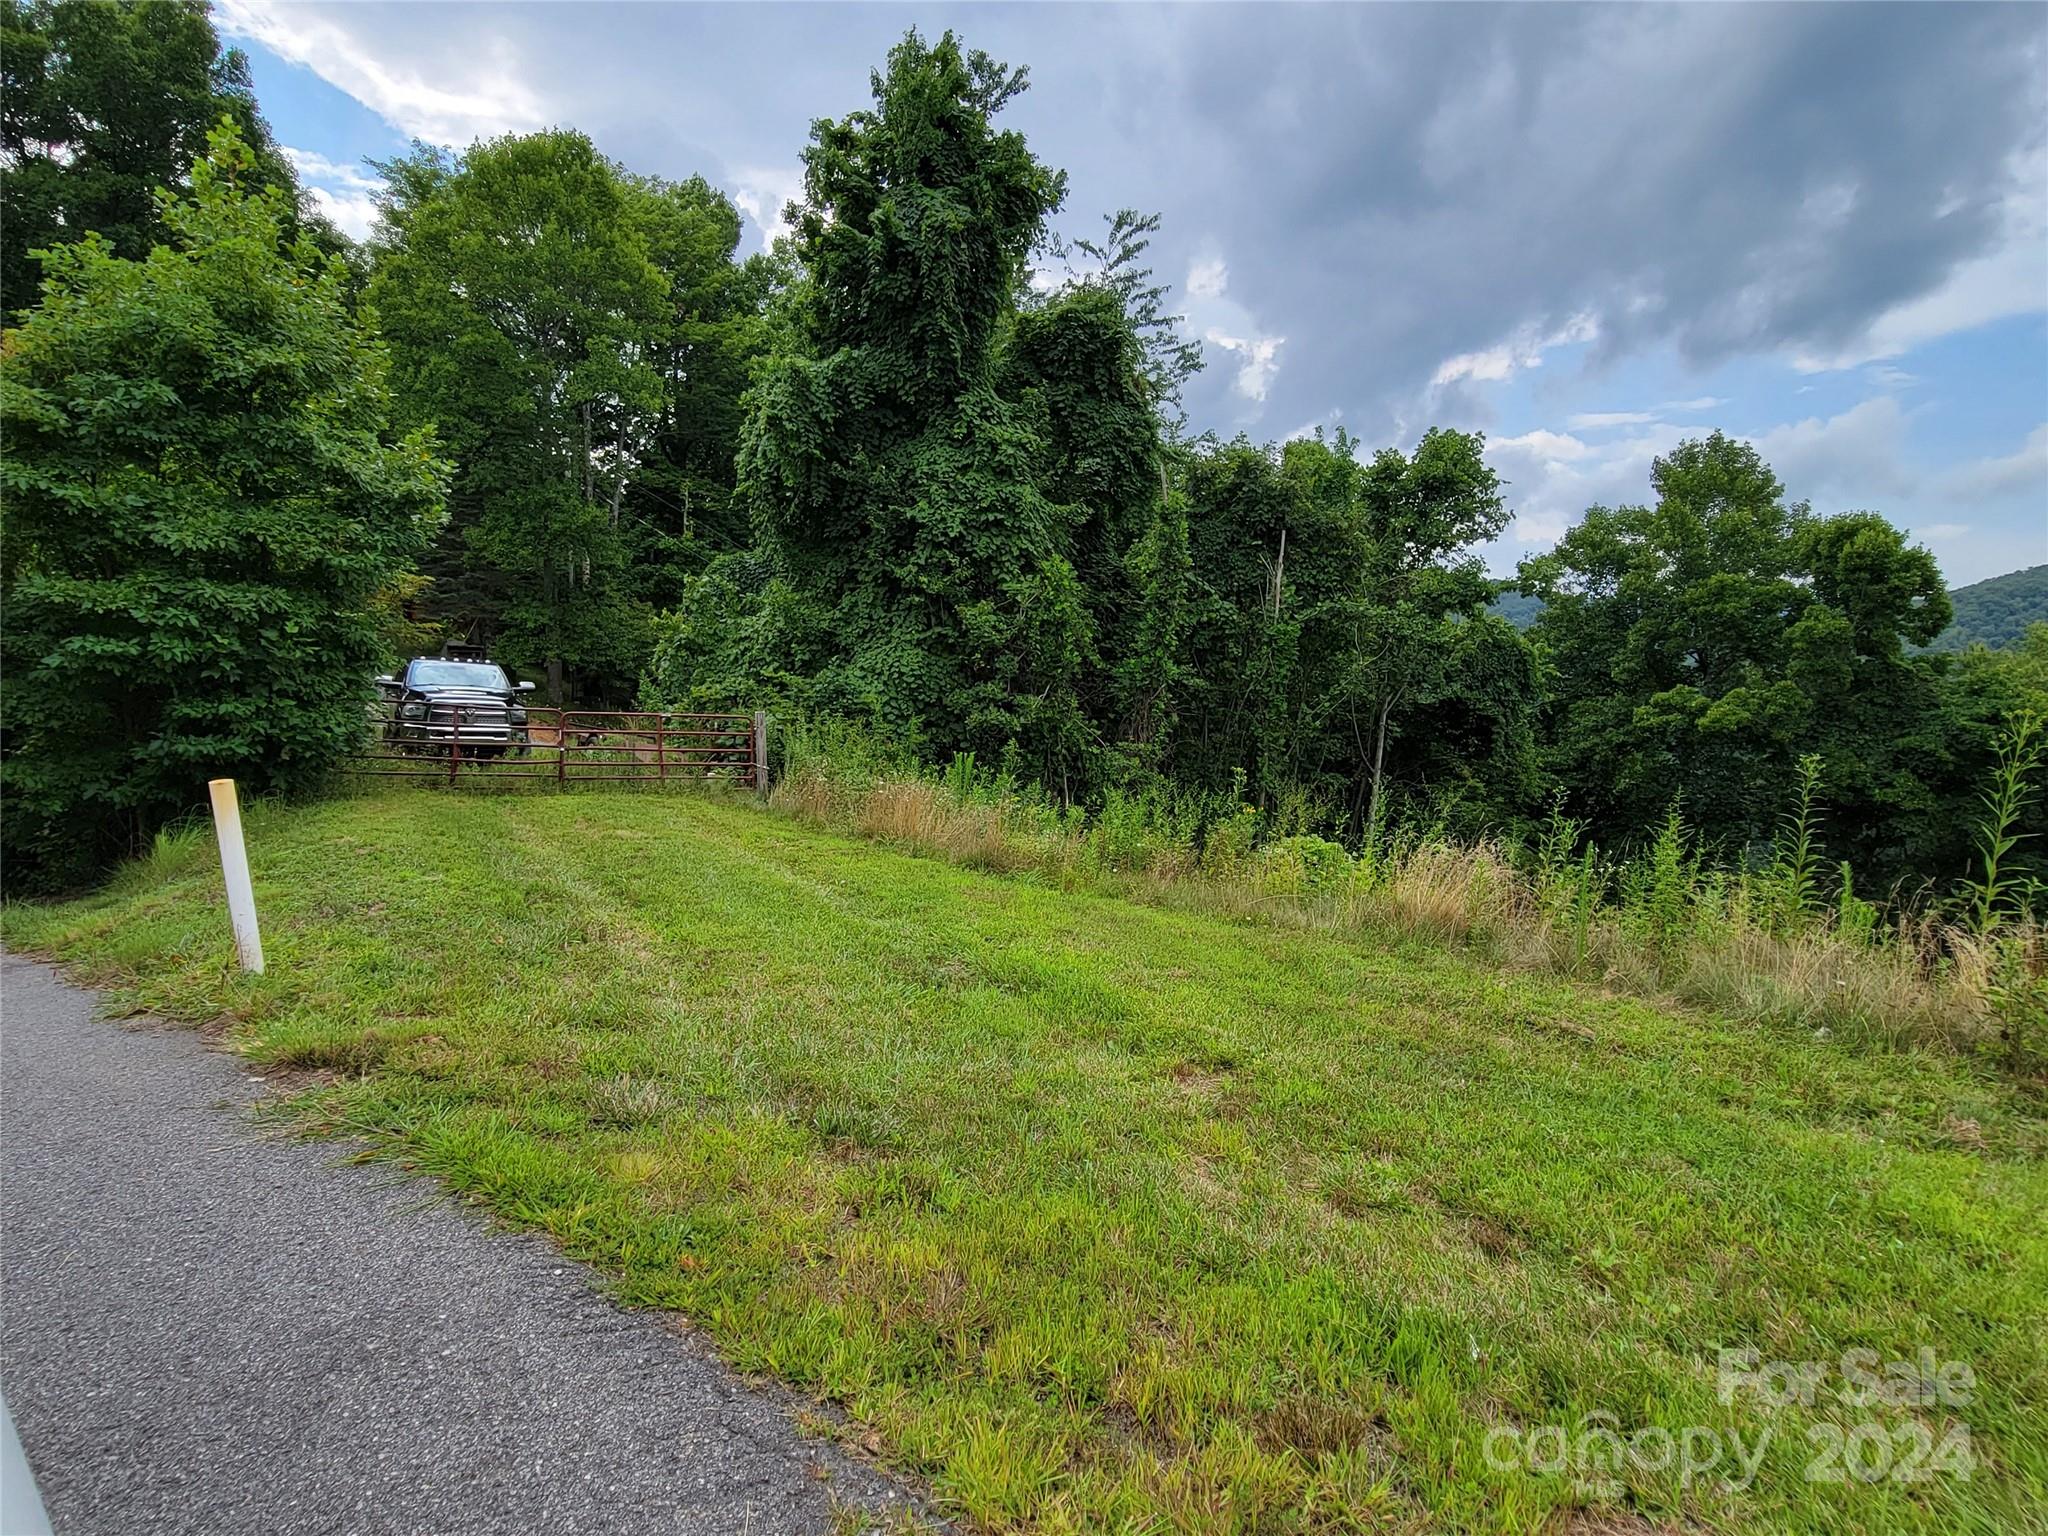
[619,485]
[1379,758]
[550,587]
[589,485]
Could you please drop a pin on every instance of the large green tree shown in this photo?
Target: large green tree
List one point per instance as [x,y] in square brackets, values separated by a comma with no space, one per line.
[1415,633]
[102,104]
[519,296]
[1698,647]
[977,526]
[1340,644]
[950,487]
[679,508]
[204,500]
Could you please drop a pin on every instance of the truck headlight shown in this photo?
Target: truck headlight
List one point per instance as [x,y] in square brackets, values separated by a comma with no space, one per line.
[515,715]
[413,711]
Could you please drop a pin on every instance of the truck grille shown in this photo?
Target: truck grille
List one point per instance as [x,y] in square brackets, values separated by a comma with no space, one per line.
[475,722]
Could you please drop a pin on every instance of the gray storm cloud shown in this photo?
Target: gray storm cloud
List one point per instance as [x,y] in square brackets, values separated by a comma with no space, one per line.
[1393,189]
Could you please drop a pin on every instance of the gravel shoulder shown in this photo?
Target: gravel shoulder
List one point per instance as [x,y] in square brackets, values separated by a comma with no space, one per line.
[210,1329]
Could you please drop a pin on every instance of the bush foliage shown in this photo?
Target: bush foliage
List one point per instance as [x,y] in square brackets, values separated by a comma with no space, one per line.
[205,500]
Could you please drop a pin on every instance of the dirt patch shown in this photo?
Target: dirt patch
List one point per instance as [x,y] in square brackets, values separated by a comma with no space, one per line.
[1315,1426]
[1964,1133]
[294,1082]
[214,1030]
[1193,1079]
[1493,1239]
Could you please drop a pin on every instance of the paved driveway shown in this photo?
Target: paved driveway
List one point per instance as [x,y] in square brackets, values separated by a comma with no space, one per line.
[207,1329]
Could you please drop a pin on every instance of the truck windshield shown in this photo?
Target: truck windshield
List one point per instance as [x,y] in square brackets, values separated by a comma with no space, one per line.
[458,674]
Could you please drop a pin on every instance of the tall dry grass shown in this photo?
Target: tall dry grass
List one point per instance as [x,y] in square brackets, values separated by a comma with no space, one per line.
[1665,930]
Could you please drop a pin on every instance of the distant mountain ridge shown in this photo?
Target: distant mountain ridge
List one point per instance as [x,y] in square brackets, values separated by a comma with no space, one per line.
[1518,608]
[1993,612]
[1996,611]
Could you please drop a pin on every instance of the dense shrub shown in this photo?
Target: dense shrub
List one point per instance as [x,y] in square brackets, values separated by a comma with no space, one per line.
[204,502]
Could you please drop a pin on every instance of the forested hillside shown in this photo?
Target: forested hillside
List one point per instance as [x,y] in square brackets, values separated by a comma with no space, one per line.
[921,469]
[1998,611]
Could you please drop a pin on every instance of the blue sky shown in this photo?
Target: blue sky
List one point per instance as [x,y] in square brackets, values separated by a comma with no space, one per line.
[1588,232]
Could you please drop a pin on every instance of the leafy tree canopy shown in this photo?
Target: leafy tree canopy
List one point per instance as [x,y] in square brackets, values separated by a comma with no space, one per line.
[103,104]
[205,500]
[1696,648]
[949,487]
[519,295]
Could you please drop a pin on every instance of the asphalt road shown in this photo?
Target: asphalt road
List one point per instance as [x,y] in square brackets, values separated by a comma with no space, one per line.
[209,1329]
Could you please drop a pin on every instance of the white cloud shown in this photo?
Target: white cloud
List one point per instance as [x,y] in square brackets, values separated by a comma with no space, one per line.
[313,166]
[484,98]
[1597,420]
[1223,321]
[1489,366]
[1552,477]
[1846,460]
[1938,532]
[1261,361]
[1524,349]
[1592,420]
[1323,423]
[1208,277]
[354,215]
[345,193]
[762,192]
[2006,475]
[1552,447]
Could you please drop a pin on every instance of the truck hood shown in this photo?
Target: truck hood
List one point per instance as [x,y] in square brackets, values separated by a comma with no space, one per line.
[465,695]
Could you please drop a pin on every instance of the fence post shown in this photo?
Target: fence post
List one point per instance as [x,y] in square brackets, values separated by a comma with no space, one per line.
[454,739]
[760,752]
[661,746]
[234,869]
[561,749]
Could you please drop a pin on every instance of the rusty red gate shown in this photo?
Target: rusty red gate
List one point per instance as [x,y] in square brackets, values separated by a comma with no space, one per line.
[476,744]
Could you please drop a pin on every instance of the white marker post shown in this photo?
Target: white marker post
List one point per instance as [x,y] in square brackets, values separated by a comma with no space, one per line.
[234,868]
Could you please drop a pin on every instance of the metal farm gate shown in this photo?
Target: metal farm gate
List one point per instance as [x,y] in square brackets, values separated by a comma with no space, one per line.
[559,747]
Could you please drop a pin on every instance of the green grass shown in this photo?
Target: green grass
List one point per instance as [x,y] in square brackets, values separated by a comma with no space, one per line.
[1103,1216]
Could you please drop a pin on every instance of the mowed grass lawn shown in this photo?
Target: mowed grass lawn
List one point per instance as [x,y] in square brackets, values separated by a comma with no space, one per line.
[1103,1216]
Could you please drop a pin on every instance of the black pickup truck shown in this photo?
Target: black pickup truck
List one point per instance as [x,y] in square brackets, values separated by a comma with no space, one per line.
[468,701]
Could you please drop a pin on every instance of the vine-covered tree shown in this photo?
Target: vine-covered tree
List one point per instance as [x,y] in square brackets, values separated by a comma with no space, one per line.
[950,489]
[1171,357]
[205,499]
